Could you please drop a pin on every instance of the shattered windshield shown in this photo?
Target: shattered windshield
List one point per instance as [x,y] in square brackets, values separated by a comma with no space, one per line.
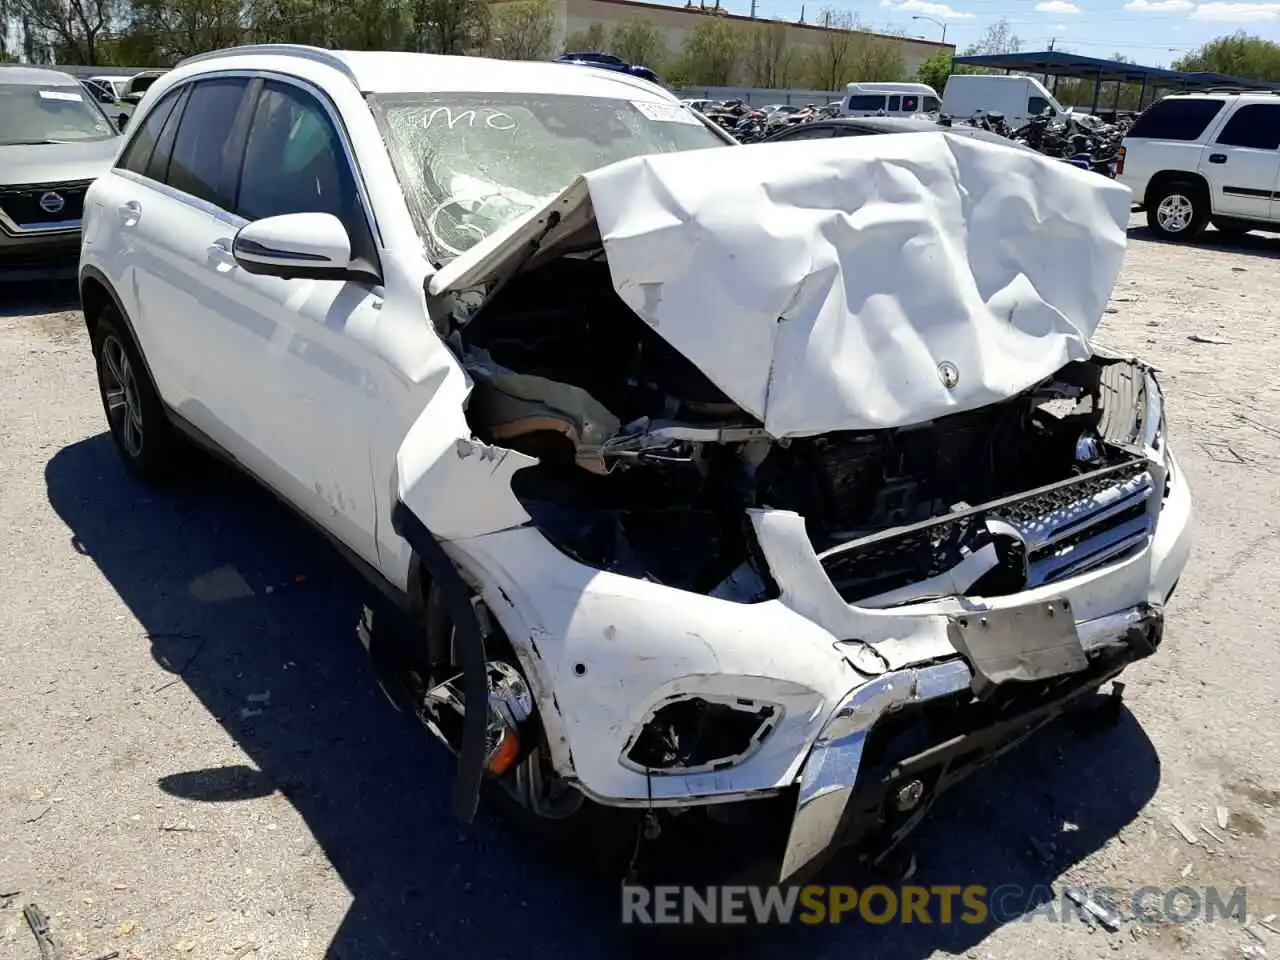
[471,163]
[36,114]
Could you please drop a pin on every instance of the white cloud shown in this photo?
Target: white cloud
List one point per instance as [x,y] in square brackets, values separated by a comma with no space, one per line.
[1239,12]
[928,8]
[1158,6]
[1057,6]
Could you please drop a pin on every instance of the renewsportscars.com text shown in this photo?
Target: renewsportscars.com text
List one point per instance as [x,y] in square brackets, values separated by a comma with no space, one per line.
[938,904]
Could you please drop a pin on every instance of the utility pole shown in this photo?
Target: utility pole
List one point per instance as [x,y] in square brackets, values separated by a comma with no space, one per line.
[753,9]
[802,13]
[1052,41]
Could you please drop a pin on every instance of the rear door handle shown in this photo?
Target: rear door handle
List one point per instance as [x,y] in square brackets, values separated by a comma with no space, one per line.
[131,210]
[1217,158]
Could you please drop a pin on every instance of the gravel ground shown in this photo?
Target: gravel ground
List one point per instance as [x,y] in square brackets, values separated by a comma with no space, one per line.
[195,762]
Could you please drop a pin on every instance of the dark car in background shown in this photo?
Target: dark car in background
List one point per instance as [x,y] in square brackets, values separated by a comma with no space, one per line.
[607,61]
[862,126]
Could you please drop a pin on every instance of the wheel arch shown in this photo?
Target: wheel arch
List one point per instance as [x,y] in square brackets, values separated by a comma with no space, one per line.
[96,294]
[1165,177]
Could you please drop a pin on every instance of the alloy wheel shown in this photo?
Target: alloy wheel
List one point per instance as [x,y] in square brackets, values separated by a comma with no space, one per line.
[120,391]
[1175,213]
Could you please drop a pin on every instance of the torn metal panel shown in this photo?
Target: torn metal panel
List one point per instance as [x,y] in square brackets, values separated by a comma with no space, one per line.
[1033,642]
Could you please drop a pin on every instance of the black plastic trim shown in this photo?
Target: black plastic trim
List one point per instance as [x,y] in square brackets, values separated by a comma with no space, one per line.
[470,651]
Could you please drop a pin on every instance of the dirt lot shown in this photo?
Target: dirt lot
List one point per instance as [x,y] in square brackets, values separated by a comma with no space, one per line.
[194,761]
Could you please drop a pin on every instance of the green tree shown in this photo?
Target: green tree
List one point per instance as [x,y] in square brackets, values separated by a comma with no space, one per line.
[770,60]
[590,40]
[449,26]
[711,54]
[874,58]
[75,29]
[1239,55]
[935,70]
[638,41]
[521,30]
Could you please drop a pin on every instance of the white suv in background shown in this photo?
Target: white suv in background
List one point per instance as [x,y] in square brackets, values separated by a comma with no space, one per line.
[679,477]
[1199,158]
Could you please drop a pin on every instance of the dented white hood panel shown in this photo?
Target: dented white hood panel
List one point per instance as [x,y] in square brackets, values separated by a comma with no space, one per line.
[857,283]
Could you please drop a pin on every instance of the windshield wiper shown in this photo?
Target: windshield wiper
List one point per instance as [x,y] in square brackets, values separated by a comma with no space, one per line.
[34,143]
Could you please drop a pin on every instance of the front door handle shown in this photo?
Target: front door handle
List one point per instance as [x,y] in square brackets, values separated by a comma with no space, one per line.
[130,212]
[1217,158]
[220,253]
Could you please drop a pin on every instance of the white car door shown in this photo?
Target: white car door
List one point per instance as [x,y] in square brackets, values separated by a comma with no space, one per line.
[1243,162]
[316,396]
[176,213]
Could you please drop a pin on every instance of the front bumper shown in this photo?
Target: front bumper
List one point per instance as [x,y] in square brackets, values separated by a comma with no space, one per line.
[600,650]
[38,255]
[843,800]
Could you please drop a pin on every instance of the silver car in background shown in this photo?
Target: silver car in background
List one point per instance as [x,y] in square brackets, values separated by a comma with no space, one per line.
[54,142]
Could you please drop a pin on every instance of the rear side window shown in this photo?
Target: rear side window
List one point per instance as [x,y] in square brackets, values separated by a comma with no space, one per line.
[895,104]
[1174,119]
[1256,125]
[158,168]
[866,101]
[911,104]
[137,154]
[200,163]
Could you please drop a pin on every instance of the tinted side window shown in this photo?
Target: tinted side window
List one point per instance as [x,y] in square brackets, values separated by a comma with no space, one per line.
[158,168]
[866,101]
[294,162]
[911,103]
[1176,119]
[137,154]
[1256,125]
[931,105]
[1037,106]
[200,163]
[895,104]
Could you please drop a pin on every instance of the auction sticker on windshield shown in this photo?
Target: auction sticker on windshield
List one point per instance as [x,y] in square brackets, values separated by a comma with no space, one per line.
[59,95]
[666,112]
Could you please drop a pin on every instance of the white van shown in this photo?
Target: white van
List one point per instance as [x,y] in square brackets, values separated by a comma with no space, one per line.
[1018,98]
[888,99]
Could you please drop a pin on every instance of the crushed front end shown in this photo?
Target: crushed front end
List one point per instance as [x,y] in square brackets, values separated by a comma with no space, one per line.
[848,569]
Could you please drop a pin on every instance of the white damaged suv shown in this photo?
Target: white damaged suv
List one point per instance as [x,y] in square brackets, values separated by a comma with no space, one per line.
[706,471]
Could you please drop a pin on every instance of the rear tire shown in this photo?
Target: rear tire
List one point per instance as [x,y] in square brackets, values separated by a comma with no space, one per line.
[1178,211]
[145,439]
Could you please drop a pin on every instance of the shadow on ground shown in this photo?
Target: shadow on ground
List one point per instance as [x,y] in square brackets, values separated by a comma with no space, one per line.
[195,564]
[19,299]
[1249,244]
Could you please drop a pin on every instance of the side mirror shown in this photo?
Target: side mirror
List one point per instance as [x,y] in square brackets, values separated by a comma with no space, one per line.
[299,246]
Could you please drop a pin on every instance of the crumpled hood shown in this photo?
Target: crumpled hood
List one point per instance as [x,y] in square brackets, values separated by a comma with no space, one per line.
[851,284]
[56,162]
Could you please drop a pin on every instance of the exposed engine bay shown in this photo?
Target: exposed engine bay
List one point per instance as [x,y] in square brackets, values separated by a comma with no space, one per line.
[646,468]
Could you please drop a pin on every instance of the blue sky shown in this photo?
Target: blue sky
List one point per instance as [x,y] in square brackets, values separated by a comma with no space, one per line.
[1152,32]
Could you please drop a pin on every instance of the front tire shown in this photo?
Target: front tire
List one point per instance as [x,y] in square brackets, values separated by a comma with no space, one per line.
[145,439]
[1178,211]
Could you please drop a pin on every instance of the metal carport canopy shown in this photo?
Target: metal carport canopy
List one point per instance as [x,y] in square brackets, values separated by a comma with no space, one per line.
[1057,63]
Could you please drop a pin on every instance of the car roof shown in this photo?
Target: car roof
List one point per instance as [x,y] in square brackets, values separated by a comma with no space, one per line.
[374,71]
[37,77]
